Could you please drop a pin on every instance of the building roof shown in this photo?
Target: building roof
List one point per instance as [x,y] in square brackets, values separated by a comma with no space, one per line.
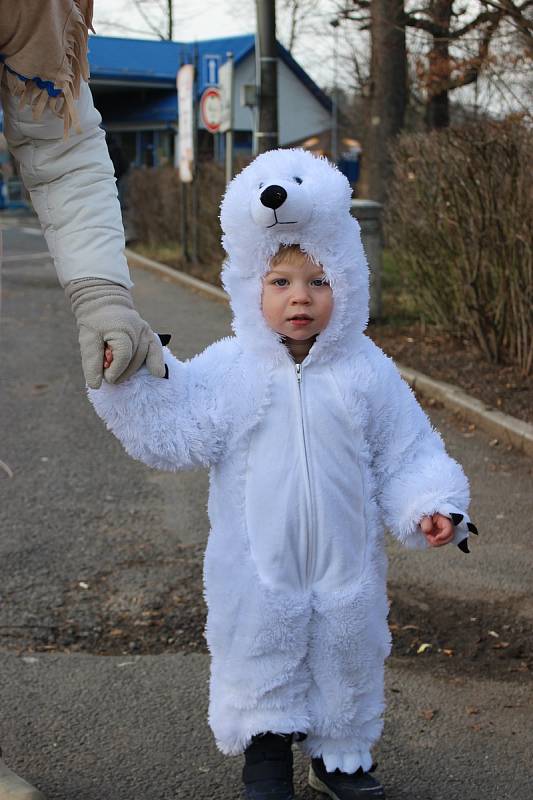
[146,62]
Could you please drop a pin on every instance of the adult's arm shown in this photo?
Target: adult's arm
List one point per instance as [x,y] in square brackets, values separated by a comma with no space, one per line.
[73,190]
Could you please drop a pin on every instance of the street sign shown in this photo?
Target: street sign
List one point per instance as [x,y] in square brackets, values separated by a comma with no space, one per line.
[211,64]
[185,84]
[225,79]
[211,109]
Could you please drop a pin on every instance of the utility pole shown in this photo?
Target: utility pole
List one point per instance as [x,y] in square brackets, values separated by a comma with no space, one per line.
[267,75]
[335,110]
[229,132]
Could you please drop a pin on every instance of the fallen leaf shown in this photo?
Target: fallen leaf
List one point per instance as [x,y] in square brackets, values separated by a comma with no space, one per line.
[410,628]
[493,633]
[448,652]
[6,469]
[476,727]
[472,710]
[522,668]
[493,442]
[500,645]
[428,713]
[423,647]
[115,632]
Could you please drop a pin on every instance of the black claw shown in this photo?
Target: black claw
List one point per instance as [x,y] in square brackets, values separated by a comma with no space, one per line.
[164,338]
[472,528]
[463,546]
[456,518]
[166,371]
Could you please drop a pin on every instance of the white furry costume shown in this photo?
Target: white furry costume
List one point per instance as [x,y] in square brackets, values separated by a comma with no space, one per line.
[302,475]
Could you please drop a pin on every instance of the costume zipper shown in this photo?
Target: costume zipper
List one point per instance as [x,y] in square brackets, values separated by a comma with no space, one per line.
[310,532]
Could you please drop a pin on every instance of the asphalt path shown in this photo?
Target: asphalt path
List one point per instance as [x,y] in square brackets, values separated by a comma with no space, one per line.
[76,508]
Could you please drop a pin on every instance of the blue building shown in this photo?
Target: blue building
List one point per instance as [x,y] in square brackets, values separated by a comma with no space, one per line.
[134,86]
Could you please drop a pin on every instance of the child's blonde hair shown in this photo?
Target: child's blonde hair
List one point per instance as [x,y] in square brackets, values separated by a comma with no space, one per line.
[289,253]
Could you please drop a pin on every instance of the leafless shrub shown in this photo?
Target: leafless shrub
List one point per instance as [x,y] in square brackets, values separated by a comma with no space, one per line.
[459,221]
[154,198]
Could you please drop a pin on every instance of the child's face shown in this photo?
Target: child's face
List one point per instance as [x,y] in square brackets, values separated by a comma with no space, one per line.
[297,300]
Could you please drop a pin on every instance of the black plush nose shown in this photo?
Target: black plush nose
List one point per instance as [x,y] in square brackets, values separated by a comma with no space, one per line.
[273,196]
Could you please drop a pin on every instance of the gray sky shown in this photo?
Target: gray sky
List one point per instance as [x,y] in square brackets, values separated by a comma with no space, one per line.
[193,20]
[205,19]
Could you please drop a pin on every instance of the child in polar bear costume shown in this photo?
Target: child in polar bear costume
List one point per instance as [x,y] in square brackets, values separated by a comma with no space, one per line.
[313,441]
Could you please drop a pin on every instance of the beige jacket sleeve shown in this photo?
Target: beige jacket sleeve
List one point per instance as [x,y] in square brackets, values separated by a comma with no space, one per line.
[73,190]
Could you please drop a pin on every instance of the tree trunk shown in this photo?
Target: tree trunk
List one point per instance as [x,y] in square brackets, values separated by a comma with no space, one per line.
[388,93]
[438,107]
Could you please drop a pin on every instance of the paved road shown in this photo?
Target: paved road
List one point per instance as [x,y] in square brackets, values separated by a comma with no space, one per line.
[78,511]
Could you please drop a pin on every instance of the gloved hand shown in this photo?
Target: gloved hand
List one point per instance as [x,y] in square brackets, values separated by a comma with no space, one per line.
[105,312]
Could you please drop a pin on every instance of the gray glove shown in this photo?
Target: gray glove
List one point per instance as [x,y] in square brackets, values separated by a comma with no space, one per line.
[105,312]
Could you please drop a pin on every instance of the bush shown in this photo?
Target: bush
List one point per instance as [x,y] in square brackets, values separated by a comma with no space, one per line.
[459,222]
[154,201]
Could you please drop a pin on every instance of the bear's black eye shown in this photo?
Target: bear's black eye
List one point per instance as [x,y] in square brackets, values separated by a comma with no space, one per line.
[261,185]
[298,180]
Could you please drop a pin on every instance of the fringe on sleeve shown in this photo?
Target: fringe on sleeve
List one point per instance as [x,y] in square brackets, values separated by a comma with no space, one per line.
[62,41]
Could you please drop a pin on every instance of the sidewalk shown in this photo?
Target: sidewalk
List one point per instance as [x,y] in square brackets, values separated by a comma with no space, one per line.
[78,511]
[121,728]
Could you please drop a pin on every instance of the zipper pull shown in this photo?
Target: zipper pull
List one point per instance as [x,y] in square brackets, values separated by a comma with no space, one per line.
[299,373]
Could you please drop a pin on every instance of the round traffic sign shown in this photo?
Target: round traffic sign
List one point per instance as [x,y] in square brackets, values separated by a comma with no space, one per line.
[211,109]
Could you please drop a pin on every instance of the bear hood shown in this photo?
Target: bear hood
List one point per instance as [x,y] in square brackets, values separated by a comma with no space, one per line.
[289,197]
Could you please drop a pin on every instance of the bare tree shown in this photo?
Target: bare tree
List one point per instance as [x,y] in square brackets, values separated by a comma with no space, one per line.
[300,16]
[455,43]
[163,25]
[388,92]
[152,18]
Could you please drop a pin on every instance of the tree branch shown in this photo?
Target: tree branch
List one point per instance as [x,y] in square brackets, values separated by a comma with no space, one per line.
[471,75]
[143,14]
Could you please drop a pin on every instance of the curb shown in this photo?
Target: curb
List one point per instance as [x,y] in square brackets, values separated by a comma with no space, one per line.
[504,427]
[177,276]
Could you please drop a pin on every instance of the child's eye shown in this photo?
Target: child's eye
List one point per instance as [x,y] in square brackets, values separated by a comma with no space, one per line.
[320,282]
[280,282]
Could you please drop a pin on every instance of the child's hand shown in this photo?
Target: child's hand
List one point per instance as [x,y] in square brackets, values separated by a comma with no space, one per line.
[108,356]
[437,529]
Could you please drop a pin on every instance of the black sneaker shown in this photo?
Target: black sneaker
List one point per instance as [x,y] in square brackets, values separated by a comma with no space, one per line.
[267,772]
[342,786]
